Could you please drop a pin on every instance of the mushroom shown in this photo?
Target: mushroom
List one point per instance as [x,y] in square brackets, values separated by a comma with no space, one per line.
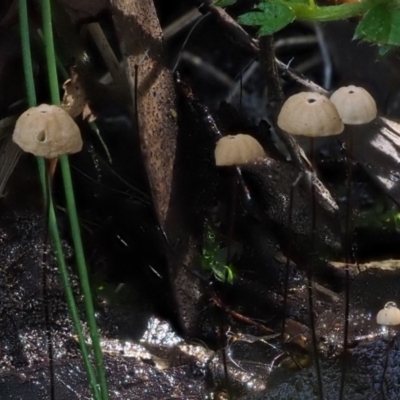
[388,316]
[356,107]
[313,115]
[310,114]
[354,104]
[237,150]
[47,131]
[232,151]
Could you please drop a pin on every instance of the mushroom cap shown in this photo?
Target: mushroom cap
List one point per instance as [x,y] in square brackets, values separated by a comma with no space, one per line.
[237,149]
[389,315]
[310,114]
[47,131]
[355,105]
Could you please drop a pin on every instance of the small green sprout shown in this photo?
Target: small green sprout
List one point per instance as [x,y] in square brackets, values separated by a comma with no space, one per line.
[214,257]
[380,217]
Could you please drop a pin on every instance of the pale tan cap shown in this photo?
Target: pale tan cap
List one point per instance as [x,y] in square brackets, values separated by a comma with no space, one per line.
[47,131]
[237,150]
[310,114]
[355,105]
[389,315]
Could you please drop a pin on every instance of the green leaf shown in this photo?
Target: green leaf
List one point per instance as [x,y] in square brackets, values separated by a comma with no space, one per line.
[381,24]
[224,3]
[265,4]
[274,16]
[224,272]
[384,50]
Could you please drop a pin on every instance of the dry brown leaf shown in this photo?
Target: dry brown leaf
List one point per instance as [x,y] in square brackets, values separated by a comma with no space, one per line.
[88,114]
[74,99]
[137,26]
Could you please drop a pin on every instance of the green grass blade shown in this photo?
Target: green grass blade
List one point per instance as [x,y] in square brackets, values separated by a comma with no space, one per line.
[26,52]
[71,206]
[53,227]
[83,275]
[50,54]
[73,311]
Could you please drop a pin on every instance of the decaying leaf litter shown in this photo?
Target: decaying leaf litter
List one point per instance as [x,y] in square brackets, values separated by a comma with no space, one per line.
[156,243]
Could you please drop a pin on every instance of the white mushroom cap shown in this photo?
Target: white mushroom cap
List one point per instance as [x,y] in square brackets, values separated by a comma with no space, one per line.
[310,114]
[237,149]
[47,131]
[355,105]
[389,315]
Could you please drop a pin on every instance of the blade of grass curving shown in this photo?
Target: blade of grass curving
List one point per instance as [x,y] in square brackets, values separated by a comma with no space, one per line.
[48,201]
[71,206]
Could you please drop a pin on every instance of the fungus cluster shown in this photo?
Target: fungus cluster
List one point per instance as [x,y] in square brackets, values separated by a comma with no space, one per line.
[47,131]
[314,115]
[305,113]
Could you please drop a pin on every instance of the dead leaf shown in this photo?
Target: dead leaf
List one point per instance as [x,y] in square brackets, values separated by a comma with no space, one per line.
[88,114]
[74,99]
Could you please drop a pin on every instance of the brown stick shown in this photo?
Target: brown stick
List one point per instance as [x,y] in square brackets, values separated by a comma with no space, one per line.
[218,302]
[269,66]
[233,29]
[140,36]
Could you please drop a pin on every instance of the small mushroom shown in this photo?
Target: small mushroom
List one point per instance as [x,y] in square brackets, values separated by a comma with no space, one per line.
[354,104]
[313,115]
[237,150]
[388,316]
[310,114]
[47,131]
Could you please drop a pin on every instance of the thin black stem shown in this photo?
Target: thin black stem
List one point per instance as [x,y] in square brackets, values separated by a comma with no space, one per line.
[241,92]
[48,332]
[274,89]
[310,269]
[385,367]
[232,214]
[45,288]
[347,247]
[287,266]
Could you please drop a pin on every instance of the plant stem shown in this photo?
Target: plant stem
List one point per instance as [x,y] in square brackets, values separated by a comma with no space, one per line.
[26,52]
[48,200]
[330,13]
[50,54]
[347,245]
[310,271]
[72,308]
[71,206]
[82,271]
